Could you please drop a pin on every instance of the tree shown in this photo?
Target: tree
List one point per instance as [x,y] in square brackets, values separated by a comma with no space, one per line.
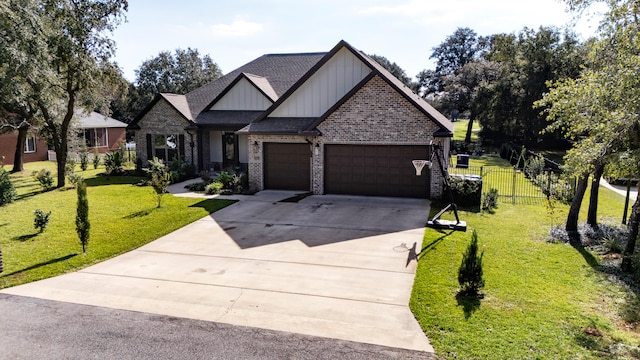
[169,73]
[394,69]
[528,61]
[159,178]
[71,52]
[456,51]
[599,111]
[82,216]
[21,30]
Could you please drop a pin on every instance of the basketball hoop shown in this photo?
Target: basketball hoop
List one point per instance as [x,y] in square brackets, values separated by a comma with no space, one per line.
[419,164]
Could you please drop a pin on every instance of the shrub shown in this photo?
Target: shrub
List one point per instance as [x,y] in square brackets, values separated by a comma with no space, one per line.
[226,179]
[82,216]
[534,167]
[198,186]
[470,271]
[159,178]
[214,188]
[181,170]
[44,177]
[8,192]
[41,219]
[490,200]
[74,179]
[114,162]
[84,159]
[466,191]
[96,159]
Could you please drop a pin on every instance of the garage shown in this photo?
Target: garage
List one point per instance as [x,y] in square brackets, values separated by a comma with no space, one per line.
[287,166]
[375,170]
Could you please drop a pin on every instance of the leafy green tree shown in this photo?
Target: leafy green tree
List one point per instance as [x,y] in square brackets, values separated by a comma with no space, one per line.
[69,48]
[599,111]
[21,28]
[394,69]
[176,73]
[82,216]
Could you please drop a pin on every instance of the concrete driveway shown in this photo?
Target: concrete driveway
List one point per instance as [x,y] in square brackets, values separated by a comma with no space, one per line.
[330,266]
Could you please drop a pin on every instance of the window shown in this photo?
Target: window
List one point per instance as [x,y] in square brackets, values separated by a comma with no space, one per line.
[166,147]
[95,137]
[30,144]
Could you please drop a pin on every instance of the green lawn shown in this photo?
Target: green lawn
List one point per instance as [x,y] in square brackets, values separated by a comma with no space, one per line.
[123,217]
[460,130]
[542,300]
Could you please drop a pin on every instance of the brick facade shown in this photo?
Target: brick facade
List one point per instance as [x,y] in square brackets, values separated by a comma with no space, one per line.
[8,144]
[375,115]
[162,118]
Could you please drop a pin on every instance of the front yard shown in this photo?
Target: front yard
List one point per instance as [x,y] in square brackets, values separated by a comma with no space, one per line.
[123,217]
[542,300]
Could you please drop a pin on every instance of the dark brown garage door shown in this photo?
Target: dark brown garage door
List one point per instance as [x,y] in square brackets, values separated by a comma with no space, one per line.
[375,170]
[287,166]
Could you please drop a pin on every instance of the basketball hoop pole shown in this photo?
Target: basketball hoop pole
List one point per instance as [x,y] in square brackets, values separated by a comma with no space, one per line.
[435,222]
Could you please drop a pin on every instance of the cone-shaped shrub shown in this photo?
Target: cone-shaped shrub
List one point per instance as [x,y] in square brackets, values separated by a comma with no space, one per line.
[82,217]
[470,271]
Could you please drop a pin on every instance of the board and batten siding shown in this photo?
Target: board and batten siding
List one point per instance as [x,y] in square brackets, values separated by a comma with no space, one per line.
[243,96]
[328,85]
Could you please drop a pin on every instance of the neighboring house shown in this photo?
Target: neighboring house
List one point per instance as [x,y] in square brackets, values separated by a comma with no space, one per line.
[35,148]
[101,132]
[97,131]
[329,123]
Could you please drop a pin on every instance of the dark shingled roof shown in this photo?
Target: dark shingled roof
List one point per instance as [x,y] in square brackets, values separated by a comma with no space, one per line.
[281,70]
[282,126]
[227,118]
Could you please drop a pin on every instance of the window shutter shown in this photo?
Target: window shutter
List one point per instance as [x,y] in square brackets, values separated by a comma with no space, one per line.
[181,146]
[149,147]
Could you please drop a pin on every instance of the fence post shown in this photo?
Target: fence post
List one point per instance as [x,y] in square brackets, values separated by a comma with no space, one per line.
[513,186]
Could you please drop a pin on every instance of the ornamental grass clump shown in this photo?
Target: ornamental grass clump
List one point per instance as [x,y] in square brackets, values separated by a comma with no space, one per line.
[470,271]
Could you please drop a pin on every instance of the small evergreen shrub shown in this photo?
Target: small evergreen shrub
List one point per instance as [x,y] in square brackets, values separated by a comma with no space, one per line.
[490,200]
[84,159]
[8,192]
[70,166]
[41,220]
[44,177]
[470,270]
[96,159]
[82,216]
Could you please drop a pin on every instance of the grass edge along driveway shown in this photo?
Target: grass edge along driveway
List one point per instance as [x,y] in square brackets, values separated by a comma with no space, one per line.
[542,300]
[123,217]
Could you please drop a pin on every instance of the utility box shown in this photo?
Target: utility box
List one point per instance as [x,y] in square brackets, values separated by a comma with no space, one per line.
[463,161]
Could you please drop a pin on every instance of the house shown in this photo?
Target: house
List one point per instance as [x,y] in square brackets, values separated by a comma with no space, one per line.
[35,148]
[97,132]
[329,123]
[101,132]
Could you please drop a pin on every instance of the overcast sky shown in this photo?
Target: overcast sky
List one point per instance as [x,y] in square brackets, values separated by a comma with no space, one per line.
[236,32]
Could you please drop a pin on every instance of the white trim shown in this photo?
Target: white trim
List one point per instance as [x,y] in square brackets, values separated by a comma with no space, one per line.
[26,142]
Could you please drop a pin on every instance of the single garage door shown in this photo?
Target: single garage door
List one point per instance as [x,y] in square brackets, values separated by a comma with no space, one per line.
[287,166]
[375,170]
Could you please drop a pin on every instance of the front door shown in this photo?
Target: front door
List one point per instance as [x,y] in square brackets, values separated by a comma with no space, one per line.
[229,150]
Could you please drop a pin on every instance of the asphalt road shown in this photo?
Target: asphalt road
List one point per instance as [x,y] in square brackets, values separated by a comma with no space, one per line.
[33,328]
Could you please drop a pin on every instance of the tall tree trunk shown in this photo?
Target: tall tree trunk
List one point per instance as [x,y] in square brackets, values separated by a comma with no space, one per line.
[634,221]
[467,137]
[574,210]
[18,161]
[592,217]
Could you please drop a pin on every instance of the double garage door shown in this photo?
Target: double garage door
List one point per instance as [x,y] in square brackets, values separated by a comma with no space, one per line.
[374,170]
